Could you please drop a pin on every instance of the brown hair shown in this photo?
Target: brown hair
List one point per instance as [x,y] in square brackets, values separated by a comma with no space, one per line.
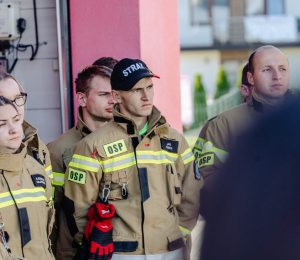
[107,62]
[251,58]
[5,75]
[85,77]
[4,101]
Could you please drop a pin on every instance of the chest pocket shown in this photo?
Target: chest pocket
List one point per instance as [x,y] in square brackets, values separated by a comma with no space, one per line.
[117,161]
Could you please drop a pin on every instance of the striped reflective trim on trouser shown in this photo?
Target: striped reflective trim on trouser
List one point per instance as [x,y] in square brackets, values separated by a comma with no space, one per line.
[158,157]
[48,171]
[118,163]
[222,155]
[187,156]
[200,143]
[85,163]
[58,179]
[21,196]
[184,231]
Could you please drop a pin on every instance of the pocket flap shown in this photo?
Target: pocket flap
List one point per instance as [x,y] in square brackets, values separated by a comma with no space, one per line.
[125,246]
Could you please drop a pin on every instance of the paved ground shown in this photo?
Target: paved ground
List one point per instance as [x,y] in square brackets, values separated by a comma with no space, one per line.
[197,240]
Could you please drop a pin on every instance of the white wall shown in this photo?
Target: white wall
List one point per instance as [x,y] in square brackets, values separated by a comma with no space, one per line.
[207,63]
[292,7]
[39,77]
[293,55]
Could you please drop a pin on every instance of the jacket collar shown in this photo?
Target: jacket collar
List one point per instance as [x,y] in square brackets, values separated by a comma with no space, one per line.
[29,131]
[13,162]
[262,106]
[82,127]
[155,119]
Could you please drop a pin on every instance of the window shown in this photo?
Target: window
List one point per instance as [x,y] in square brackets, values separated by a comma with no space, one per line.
[274,7]
[200,11]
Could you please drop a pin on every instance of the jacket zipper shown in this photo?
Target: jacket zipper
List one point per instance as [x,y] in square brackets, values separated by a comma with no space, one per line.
[17,211]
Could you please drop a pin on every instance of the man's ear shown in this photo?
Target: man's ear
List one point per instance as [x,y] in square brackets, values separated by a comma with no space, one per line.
[116,96]
[250,78]
[81,99]
[245,90]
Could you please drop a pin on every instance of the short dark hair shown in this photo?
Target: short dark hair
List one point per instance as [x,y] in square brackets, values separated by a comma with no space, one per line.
[107,62]
[5,101]
[244,75]
[251,58]
[85,76]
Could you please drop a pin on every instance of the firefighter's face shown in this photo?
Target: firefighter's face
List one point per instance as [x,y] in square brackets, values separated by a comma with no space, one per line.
[271,74]
[99,101]
[10,89]
[138,101]
[11,132]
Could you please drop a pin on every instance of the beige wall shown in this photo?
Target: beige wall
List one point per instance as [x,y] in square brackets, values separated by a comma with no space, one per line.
[39,77]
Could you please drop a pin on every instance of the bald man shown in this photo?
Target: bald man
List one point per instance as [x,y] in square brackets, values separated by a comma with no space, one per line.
[269,73]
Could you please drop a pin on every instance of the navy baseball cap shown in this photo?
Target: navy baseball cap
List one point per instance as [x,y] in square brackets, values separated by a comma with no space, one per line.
[127,72]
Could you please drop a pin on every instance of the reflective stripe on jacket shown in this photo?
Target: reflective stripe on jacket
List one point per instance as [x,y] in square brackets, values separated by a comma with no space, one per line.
[26,206]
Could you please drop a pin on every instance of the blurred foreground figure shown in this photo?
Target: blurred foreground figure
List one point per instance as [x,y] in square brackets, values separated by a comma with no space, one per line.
[255,200]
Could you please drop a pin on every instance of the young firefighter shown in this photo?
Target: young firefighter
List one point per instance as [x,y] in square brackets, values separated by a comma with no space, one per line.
[12,90]
[26,213]
[93,92]
[143,167]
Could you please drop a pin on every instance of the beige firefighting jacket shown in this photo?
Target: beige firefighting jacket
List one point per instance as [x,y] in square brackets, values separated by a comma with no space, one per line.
[61,152]
[152,184]
[36,148]
[223,131]
[26,205]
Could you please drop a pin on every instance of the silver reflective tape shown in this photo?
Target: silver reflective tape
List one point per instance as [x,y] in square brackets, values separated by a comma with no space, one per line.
[60,179]
[49,172]
[190,154]
[118,163]
[5,199]
[156,157]
[200,143]
[222,157]
[30,195]
[207,146]
[86,163]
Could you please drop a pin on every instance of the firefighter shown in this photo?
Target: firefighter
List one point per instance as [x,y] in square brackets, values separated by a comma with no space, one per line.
[26,213]
[13,90]
[246,87]
[269,73]
[95,109]
[141,166]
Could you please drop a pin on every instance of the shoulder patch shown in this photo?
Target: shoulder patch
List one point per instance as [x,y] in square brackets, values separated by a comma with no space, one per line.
[38,180]
[77,176]
[196,170]
[206,160]
[115,148]
[169,145]
[197,153]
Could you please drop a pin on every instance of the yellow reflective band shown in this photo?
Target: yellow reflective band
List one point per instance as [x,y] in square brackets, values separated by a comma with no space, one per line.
[58,179]
[187,156]
[199,143]
[84,163]
[53,192]
[206,160]
[221,154]
[21,196]
[158,157]
[184,231]
[48,171]
[118,163]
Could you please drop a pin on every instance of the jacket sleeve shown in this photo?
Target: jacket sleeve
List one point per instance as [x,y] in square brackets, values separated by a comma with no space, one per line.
[4,255]
[212,151]
[188,210]
[82,180]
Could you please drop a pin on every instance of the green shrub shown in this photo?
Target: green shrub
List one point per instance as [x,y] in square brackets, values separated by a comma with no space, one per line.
[222,83]
[200,114]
